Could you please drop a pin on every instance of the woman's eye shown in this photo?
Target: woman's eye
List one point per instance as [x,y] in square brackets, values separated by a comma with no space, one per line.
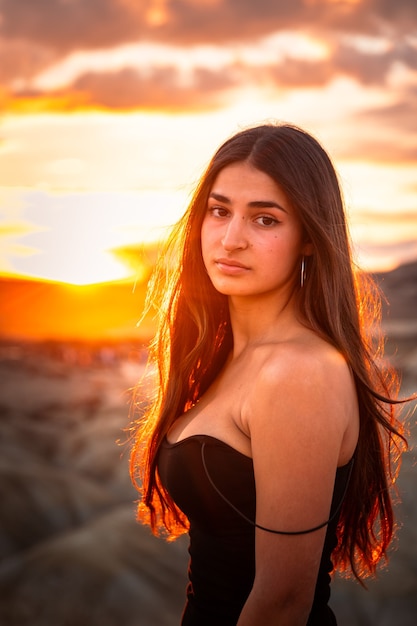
[266,220]
[218,211]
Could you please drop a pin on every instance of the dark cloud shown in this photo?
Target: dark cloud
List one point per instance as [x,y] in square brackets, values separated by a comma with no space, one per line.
[126,89]
[366,68]
[36,34]
[22,60]
[297,73]
[397,10]
[164,88]
[66,25]
[234,20]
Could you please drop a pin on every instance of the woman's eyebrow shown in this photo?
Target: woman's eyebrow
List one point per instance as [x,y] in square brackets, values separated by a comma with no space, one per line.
[219,197]
[266,204]
[255,204]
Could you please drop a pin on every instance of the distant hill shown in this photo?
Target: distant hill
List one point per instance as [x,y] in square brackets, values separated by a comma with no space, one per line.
[34,309]
[400,289]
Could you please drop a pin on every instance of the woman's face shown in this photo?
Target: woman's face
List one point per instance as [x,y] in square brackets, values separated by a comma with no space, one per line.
[252,241]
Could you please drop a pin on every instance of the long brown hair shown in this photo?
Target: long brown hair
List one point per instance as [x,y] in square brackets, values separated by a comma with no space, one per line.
[341,304]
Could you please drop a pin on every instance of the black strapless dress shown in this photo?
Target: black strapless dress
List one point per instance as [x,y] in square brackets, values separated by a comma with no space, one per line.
[214,485]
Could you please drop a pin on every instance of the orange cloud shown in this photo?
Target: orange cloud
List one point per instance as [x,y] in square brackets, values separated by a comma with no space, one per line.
[37,35]
[127,89]
[63,27]
[44,103]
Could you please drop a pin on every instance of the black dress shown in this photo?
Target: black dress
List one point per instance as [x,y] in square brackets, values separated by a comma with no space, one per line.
[214,485]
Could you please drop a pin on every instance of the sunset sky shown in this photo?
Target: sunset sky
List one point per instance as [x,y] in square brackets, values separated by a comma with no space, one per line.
[110,109]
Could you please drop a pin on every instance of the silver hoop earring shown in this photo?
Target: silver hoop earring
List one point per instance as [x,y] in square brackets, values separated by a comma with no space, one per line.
[303,271]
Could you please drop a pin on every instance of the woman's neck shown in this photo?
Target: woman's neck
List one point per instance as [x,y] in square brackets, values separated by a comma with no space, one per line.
[261,320]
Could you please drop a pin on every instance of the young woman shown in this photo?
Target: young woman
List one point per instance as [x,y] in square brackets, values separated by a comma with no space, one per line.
[271,437]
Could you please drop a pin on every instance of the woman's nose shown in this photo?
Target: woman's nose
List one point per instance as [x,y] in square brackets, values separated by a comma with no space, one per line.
[235,234]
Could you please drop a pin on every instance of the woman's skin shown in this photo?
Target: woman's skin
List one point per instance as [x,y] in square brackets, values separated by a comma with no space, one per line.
[285,397]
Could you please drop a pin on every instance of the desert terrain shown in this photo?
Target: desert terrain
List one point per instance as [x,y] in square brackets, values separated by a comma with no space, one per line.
[71,552]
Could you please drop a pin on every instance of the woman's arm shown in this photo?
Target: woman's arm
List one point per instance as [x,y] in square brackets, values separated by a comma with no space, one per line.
[298,415]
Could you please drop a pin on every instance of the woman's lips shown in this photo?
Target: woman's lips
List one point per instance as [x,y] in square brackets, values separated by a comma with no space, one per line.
[230,266]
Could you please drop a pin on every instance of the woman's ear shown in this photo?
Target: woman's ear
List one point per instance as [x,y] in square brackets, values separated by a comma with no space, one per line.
[307,249]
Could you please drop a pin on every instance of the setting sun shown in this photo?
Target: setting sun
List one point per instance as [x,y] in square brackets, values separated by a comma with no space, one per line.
[82,238]
[105,134]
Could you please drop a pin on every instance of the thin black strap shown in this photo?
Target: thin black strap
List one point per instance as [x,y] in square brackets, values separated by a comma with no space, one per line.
[270,530]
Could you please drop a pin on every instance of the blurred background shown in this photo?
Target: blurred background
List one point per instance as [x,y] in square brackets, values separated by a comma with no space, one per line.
[110,109]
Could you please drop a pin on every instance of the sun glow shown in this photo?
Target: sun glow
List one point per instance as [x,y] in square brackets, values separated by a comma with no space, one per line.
[90,237]
[95,200]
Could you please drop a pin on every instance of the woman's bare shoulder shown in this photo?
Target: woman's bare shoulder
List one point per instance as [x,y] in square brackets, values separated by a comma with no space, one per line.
[306,378]
[303,358]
